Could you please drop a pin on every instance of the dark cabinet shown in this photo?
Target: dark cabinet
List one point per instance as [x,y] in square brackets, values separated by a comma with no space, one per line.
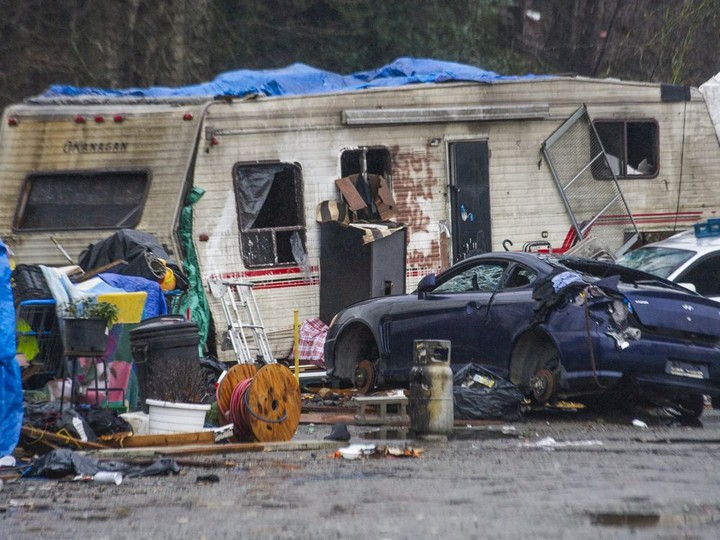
[351,271]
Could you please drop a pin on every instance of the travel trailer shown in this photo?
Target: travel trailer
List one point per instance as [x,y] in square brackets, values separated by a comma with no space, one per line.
[508,163]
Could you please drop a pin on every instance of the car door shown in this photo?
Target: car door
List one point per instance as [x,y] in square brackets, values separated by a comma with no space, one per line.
[455,310]
[704,275]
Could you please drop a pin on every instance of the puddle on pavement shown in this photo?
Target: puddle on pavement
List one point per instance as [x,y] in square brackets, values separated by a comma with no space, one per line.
[459,433]
[649,518]
[386,434]
[625,519]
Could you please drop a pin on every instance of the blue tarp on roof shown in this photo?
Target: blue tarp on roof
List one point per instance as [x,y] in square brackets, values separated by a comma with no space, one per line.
[298,79]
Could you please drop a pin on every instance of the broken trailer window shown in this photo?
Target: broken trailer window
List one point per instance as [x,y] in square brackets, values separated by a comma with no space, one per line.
[376,161]
[64,201]
[631,147]
[270,212]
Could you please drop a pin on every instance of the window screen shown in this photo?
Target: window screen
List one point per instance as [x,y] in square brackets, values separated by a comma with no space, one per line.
[63,201]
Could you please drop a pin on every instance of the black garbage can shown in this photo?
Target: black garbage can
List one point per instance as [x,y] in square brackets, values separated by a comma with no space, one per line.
[165,352]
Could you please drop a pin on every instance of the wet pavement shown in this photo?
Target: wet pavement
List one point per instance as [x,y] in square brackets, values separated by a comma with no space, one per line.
[550,475]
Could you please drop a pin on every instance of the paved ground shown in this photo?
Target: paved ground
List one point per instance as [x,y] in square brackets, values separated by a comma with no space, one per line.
[601,478]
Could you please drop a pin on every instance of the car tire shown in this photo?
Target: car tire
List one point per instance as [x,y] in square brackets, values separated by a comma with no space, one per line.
[691,405]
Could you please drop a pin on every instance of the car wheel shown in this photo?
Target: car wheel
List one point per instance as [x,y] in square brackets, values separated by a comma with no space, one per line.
[535,367]
[543,385]
[691,406]
[364,379]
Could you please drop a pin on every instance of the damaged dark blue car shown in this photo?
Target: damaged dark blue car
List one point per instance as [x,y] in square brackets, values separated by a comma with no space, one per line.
[557,327]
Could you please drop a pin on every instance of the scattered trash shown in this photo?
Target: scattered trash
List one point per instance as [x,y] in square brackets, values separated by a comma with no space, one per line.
[480,394]
[550,443]
[639,423]
[357,451]
[63,462]
[311,428]
[108,477]
[7,461]
[339,432]
[209,478]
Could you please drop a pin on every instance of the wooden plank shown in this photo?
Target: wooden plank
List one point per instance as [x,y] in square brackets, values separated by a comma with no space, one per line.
[166,439]
[209,449]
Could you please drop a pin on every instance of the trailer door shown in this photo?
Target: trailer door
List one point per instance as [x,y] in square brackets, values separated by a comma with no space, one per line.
[469,198]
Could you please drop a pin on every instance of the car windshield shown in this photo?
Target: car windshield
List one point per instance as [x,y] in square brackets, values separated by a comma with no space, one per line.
[659,261]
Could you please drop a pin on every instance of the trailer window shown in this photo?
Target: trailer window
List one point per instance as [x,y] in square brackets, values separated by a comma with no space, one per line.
[270,214]
[631,147]
[63,201]
[375,160]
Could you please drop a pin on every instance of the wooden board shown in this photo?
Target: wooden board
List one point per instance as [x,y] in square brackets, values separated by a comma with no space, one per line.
[273,406]
[168,439]
[205,449]
[237,373]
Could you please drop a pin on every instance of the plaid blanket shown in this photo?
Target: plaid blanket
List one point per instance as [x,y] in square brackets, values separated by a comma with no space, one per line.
[311,342]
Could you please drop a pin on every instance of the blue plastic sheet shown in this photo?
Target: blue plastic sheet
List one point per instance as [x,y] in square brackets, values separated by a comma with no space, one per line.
[297,79]
[11,393]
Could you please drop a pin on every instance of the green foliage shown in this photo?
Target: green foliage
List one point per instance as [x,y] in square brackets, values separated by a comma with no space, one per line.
[146,43]
[89,308]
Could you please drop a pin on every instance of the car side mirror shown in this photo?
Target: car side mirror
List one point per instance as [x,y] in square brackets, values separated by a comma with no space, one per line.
[690,286]
[426,285]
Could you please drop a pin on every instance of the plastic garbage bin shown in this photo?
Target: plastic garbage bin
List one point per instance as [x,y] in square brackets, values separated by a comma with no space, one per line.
[165,352]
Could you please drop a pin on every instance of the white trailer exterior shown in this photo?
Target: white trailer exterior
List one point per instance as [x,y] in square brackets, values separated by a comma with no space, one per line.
[432,142]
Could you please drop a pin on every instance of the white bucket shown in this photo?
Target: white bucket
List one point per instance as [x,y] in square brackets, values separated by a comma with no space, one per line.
[168,417]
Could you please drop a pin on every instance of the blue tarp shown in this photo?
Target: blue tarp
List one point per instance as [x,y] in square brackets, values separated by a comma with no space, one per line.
[298,79]
[155,304]
[11,393]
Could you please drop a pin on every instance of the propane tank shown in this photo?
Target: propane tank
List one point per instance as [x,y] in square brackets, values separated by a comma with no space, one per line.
[431,389]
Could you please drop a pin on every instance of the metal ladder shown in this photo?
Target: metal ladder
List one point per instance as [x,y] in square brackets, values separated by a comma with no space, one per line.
[244,323]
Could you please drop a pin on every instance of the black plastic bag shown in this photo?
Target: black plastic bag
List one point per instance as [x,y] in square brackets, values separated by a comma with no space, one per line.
[104,421]
[64,461]
[480,394]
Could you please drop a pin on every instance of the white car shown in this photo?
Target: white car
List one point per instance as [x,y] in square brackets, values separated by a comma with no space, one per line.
[686,258]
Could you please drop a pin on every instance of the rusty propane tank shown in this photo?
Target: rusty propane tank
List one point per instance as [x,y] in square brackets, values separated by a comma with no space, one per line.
[431,389]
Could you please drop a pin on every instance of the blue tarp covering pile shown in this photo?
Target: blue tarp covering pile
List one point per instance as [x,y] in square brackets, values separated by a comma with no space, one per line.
[11,392]
[298,79]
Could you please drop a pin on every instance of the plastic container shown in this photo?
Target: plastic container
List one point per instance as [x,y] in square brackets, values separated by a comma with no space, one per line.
[709,229]
[430,405]
[165,351]
[168,417]
[84,337]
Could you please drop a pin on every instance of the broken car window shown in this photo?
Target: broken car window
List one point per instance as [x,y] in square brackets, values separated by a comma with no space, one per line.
[520,277]
[659,261]
[480,277]
[270,212]
[64,201]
